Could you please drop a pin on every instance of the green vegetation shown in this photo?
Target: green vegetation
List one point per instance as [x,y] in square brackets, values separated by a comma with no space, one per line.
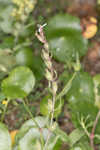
[42,79]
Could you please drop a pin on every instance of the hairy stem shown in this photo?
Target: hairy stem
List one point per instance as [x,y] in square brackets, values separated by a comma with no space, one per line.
[50,75]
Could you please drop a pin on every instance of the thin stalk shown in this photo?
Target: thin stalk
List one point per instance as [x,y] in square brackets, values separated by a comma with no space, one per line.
[63,92]
[93,131]
[67,86]
[53,110]
[29,112]
[51,123]
[46,143]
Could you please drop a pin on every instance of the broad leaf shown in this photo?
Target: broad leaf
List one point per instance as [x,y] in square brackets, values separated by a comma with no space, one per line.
[29,136]
[83,144]
[29,141]
[82,100]
[75,136]
[26,57]
[7,61]
[82,89]
[19,83]
[63,33]
[62,135]
[5,139]
[54,143]
[41,121]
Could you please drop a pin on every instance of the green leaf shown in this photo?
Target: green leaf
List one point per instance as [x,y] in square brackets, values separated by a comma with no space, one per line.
[64,21]
[5,139]
[28,137]
[38,67]
[82,89]
[41,121]
[2,96]
[82,145]
[5,24]
[75,136]
[84,109]
[19,83]
[63,33]
[62,135]
[96,80]
[54,143]
[7,42]
[82,100]
[7,61]
[29,141]
[26,57]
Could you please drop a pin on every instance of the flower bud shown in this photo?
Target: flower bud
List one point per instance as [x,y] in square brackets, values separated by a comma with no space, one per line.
[49,75]
[50,105]
[54,87]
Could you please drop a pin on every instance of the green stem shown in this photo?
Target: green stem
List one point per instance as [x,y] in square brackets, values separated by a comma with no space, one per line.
[18,46]
[66,88]
[29,112]
[4,112]
[51,121]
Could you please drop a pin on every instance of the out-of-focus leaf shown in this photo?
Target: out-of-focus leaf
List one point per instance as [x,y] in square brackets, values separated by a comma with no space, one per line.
[41,121]
[26,57]
[62,135]
[5,139]
[82,145]
[2,96]
[63,33]
[96,80]
[29,141]
[75,136]
[54,143]
[6,22]
[7,42]
[19,83]
[82,89]
[7,61]
[28,137]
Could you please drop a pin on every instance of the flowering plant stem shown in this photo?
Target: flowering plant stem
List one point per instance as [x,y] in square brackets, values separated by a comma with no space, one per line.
[51,77]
